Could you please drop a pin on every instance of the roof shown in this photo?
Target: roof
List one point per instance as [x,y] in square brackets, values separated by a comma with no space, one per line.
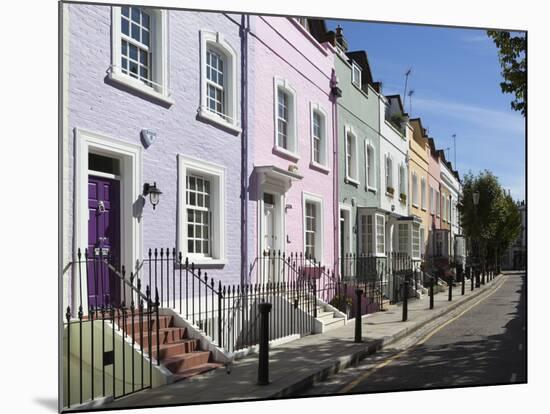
[360,57]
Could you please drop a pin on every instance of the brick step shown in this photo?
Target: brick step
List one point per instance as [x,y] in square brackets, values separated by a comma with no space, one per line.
[166,336]
[164,322]
[178,363]
[199,369]
[184,346]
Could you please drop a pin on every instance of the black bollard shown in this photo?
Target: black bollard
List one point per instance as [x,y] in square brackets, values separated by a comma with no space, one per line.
[431,292]
[471,279]
[358,334]
[478,278]
[463,281]
[450,288]
[483,276]
[263,357]
[405,298]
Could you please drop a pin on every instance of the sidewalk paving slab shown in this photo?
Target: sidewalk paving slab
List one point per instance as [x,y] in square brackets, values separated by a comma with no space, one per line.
[295,366]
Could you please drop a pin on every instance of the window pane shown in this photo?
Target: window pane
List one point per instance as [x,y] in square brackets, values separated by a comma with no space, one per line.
[135,32]
[133,52]
[145,20]
[125,27]
[145,37]
[135,14]
[125,11]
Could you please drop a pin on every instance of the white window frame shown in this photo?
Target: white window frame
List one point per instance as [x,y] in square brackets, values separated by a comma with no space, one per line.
[216,42]
[437,203]
[423,193]
[403,240]
[414,190]
[370,176]
[449,209]
[364,234]
[415,228]
[402,179]
[319,232]
[323,165]
[356,80]
[292,152]
[354,167]
[388,168]
[443,207]
[375,224]
[432,200]
[217,176]
[159,63]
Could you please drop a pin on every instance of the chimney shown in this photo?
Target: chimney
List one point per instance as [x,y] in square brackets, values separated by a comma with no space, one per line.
[340,40]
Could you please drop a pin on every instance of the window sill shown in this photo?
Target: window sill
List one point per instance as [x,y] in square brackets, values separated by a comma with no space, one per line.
[316,166]
[219,121]
[372,189]
[286,153]
[140,87]
[389,194]
[415,205]
[350,180]
[424,209]
[207,263]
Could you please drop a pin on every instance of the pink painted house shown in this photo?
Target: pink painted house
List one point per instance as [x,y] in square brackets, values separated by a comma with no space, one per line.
[290,141]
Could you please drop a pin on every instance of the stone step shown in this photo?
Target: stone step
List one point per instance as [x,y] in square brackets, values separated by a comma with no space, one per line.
[184,346]
[333,323]
[180,362]
[166,336]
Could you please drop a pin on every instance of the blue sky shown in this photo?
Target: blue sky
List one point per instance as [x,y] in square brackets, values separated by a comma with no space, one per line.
[456,82]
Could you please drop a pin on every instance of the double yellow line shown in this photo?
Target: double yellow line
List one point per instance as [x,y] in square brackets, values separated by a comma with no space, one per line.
[388,361]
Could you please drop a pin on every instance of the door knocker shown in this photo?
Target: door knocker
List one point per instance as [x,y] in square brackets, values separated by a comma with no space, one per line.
[101,207]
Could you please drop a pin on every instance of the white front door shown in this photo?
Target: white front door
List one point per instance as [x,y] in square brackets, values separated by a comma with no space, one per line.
[269,227]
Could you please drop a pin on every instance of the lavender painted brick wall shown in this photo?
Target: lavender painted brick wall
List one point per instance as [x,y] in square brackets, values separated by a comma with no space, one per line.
[278,48]
[99,107]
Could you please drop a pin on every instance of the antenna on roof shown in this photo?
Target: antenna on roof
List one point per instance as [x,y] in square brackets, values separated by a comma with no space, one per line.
[407,73]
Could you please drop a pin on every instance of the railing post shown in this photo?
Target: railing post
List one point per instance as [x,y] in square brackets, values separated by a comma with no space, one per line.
[314,299]
[263,357]
[450,288]
[358,334]
[432,283]
[471,273]
[405,298]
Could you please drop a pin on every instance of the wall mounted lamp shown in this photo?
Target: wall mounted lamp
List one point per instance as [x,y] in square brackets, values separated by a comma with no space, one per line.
[153,192]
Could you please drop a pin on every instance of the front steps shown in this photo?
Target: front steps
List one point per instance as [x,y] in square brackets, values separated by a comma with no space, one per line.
[177,352]
[328,318]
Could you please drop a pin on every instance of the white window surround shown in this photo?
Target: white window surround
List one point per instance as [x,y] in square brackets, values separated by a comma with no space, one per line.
[318,201]
[423,193]
[414,190]
[216,174]
[388,165]
[323,165]
[379,252]
[402,180]
[432,200]
[370,176]
[351,171]
[437,203]
[292,152]
[416,242]
[356,73]
[347,209]
[130,157]
[159,46]
[217,42]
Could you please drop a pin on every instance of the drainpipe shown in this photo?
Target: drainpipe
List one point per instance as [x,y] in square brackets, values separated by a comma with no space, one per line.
[244,29]
[335,93]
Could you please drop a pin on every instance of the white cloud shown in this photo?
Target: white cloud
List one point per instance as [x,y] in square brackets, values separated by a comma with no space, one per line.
[486,118]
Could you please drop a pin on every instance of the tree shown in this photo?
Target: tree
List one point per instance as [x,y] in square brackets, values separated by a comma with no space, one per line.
[512,56]
[496,221]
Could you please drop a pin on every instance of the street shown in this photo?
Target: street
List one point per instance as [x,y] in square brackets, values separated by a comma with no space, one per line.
[483,345]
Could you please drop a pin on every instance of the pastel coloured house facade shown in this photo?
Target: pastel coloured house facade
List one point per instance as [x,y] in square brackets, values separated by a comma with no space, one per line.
[290,118]
[419,154]
[434,195]
[151,97]
[395,133]
[358,149]
[450,181]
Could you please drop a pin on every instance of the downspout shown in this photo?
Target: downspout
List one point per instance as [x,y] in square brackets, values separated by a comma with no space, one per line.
[244,28]
[335,93]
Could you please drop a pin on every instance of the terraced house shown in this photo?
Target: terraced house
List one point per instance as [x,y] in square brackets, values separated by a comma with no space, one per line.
[212,161]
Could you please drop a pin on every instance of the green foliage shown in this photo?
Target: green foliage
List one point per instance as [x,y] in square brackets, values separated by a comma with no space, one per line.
[512,55]
[496,222]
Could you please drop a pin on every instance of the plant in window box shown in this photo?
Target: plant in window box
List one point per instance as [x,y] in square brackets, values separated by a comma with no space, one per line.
[397,121]
[293,168]
[342,303]
[390,190]
[403,198]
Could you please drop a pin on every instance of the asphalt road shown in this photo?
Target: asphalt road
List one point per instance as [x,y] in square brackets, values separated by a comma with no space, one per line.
[483,346]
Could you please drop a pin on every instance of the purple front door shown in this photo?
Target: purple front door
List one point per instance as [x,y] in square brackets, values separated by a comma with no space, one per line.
[104,240]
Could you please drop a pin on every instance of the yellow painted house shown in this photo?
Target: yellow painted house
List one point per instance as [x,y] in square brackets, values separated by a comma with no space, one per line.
[419,153]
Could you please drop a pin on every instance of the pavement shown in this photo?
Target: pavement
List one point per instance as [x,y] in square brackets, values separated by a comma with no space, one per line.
[296,366]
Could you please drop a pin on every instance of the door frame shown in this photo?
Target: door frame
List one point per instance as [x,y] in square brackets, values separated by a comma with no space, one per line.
[130,158]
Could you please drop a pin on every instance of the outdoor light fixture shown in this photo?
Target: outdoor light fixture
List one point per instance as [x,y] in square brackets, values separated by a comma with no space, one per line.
[476,198]
[153,192]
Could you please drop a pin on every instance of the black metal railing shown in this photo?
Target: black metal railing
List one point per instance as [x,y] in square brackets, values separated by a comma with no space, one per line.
[103,332]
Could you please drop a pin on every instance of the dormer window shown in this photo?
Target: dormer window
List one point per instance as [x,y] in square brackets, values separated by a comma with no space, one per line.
[356,74]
